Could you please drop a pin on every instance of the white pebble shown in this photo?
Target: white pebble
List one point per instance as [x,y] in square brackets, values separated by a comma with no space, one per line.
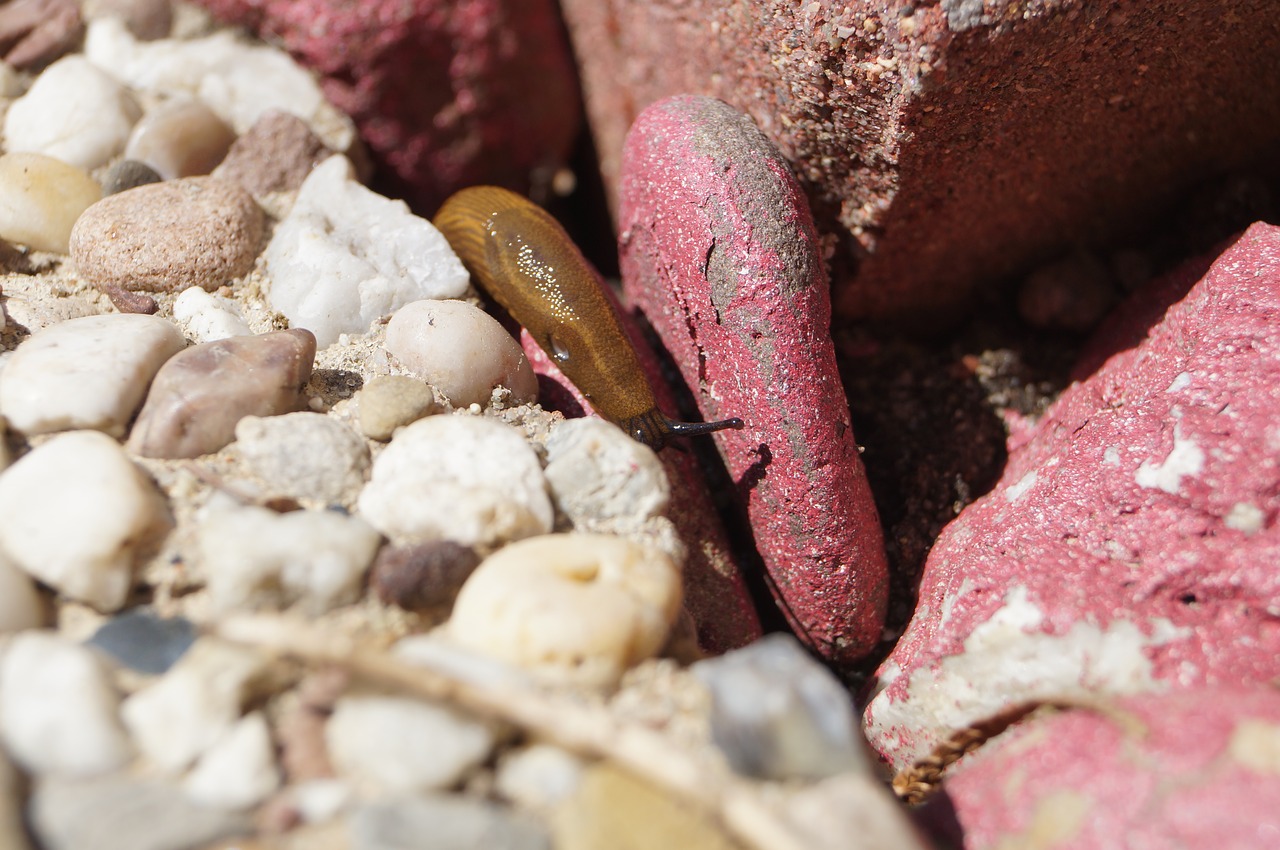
[180,138]
[74,112]
[460,350]
[254,557]
[239,770]
[315,459]
[40,200]
[569,607]
[208,318]
[399,745]
[20,605]
[91,372]
[345,256]
[460,478]
[58,708]
[75,513]
[538,777]
[598,473]
[179,717]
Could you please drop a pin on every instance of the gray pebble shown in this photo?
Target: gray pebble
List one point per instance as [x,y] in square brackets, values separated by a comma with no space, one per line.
[392,401]
[128,174]
[443,822]
[142,641]
[779,714]
[305,456]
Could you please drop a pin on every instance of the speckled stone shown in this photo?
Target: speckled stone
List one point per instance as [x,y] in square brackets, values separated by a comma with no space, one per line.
[275,155]
[164,237]
[200,394]
[304,456]
[389,402]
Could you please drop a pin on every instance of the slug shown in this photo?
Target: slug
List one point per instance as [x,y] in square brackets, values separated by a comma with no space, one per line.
[524,260]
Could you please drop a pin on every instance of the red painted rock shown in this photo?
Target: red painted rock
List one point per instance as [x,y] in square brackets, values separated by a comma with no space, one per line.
[1131,544]
[1197,771]
[954,143]
[446,93]
[718,250]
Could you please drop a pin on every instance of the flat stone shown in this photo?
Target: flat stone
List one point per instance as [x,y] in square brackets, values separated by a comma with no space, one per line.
[1128,546]
[201,394]
[77,514]
[389,402]
[305,456]
[180,138]
[58,708]
[275,155]
[142,641]
[165,237]
[330,275]
[91,372]
[720,254]
[460,478]
[443,822]
[40,200]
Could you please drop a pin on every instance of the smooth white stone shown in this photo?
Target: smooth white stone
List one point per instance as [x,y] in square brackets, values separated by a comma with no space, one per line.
[20,605]
[578,608]
[318,800]
[399,745]
[40,200]
[91,372]
[180,138]
[208,318]
[460,350]
[345,256]
[539,776]
[76,512]
[181,715]
[74,112]
[254,557]
[598,473]
[239,770]
[459,478]
[238,80]
[58,708]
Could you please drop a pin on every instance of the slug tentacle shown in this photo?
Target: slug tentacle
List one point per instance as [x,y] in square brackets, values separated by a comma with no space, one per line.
[521,256]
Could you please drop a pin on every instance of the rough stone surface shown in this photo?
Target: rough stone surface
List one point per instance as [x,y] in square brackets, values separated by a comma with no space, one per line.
[41,198]
[958,142]
[312,458]
[1129,545]
[445,94]
[164,237]
[717,249]
[275,155]
[389,402]
[596,472]
[199,395]
[1196,770]
[208,318]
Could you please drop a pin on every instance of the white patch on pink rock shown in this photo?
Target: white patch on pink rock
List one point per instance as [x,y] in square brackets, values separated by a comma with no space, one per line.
[1186,458]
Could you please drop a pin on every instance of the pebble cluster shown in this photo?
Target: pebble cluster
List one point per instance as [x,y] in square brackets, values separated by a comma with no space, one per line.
[236,380]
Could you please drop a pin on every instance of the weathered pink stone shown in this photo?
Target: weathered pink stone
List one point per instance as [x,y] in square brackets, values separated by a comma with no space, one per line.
[1198,771]
[718,250]
[1131,544]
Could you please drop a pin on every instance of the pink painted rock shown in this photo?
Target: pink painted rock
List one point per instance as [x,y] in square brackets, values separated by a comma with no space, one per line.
[1131,544]
[953,143]
[445,93]
[718,250]
[1197,771]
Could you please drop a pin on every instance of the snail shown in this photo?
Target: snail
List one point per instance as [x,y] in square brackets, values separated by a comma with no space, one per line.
[525,261]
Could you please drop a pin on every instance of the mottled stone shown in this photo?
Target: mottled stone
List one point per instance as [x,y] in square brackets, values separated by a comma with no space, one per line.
[168,236]
[199,395]
[180,138]
[275,155]
[422,576]
[720,254]
[40,200]
[389,402]
[305,456]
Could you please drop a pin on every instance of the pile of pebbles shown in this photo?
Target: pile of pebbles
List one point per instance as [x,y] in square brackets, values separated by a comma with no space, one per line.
[289,554]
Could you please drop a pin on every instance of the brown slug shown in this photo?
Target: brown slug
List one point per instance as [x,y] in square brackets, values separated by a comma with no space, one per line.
[525,261]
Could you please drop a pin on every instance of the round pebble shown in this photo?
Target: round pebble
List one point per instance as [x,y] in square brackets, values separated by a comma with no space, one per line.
[569,607]
[75,112]
[76,514]
[460,350]
[165,237]
[598,473]
[90,372]
[208,318]
[460,478]
[305,456]
[423,576]
[124,175]
[181,138]
[40,200]
[58,708]
[389,402]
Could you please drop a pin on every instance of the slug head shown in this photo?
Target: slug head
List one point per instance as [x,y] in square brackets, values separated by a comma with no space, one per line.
[655,429]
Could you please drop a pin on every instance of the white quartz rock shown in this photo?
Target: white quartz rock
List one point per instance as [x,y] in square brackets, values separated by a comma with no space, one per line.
[597,472]
[20,606]
[91,372]
[208,318]
[460,478]
[74,112]
[399,745]
[345,256]
[460,350]
[255,557]
[76,513]
[569,607]
[184,713]
[58,708]
[239,770]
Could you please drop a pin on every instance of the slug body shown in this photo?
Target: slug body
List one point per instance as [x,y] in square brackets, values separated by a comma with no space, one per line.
[524,260]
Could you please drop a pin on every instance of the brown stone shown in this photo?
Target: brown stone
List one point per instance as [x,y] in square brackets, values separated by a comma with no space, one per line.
[275,155]
[423,576]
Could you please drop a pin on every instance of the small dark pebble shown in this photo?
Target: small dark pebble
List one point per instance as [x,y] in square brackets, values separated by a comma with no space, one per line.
[143,641]
[130,302]
[422,576]
[128,174]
